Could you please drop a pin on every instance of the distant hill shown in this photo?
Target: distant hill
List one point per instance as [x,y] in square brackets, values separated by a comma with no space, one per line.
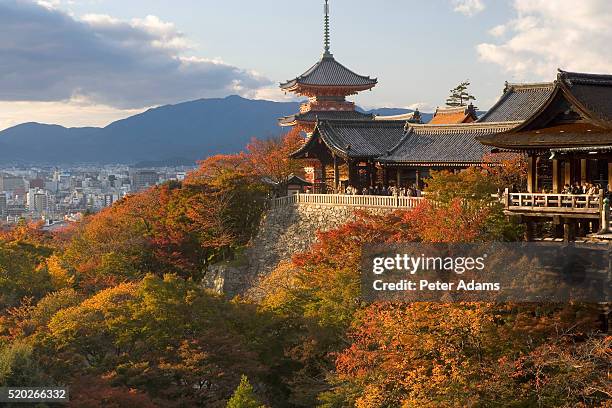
[189,131]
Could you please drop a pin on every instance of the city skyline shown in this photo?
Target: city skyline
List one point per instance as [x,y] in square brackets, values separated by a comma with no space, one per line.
[88,63]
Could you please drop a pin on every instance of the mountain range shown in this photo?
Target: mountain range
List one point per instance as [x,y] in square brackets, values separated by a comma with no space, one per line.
[179,133]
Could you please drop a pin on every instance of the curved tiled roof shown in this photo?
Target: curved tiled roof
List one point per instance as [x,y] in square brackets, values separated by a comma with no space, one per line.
[312,116]
[453,115]
[593,91]
[519,102]
[329,72]
[444,144]
[589,94]
[357,139]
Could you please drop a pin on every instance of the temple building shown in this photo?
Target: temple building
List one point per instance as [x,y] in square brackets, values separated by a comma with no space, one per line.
[345,147]
[326,85]
[454,115]
[568,141]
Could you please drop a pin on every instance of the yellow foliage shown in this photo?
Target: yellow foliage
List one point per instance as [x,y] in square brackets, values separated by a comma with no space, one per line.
[60,277]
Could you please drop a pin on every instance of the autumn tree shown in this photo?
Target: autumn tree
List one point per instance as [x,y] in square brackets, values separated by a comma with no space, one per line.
[244,181]
[95,392]
[439,355]
[473,195]
[167,229]
[165,337]
[20,274]
[271,159]
[510,171]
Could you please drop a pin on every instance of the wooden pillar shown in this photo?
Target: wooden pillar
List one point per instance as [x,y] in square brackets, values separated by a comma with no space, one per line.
[336,175]
[530,230]
[324,177]
[569,230]
[609,176]
[418,179]
[371,171]
[351,171]
[568,172]
[374,174]
[385,176]
[398,177]
[557,177]
[583,171]
[532,172]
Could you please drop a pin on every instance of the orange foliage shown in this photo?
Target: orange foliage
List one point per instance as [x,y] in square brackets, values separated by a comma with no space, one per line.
[96,392]
[462,355]
[271,158]
[166,229]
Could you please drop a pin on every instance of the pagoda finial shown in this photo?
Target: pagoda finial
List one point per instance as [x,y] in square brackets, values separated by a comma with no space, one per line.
[327,41]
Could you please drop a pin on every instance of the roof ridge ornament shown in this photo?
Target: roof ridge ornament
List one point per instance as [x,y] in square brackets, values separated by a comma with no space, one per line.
[326,35]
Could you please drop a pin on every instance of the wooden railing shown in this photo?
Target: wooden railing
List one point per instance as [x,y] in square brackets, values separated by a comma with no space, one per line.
[555,203]
[347,200]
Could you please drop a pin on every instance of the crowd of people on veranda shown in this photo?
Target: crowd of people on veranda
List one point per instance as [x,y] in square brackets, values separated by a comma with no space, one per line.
[586,188]
[574,189]
[379,190]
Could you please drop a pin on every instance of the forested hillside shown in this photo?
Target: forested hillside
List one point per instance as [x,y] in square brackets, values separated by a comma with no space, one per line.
[114,308]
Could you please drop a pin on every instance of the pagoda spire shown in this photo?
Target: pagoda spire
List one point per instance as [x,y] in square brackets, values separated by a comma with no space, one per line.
[326,40]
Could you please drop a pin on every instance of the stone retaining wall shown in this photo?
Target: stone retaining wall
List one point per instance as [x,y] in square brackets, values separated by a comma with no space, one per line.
[283,232]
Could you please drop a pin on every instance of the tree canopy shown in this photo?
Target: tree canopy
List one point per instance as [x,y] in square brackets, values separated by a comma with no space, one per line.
[460,95]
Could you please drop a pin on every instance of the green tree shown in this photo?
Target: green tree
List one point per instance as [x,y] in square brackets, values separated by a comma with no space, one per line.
[244,396]
[460,95]
[18,367]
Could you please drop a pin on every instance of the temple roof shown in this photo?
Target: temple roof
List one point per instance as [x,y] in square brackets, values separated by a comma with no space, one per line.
[330,73]
[398,142]
[412,117]
[572,135]
[518,102]
[355,139]
[454,115]
[312,116]
[592,91]
[443,144]
[576,112]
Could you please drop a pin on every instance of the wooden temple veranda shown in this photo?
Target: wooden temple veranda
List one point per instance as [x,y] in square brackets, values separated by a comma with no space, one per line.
[568,142]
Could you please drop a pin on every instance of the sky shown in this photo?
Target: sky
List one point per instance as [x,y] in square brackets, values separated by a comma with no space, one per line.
[90,62]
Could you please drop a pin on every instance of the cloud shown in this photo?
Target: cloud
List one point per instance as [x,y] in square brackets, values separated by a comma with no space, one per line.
[72,113]
[546,35]
[468,7]
[47,55]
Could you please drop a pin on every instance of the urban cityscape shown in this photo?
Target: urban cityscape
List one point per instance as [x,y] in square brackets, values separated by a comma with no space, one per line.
[57,196]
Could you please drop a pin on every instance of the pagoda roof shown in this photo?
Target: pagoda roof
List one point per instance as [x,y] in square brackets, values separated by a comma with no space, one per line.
[454,115]
[355,139]
[312,116]
[443,145]
[328,72]
[518,102]
[577,112]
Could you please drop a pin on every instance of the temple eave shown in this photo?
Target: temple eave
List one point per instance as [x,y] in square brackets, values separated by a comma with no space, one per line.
[330,90]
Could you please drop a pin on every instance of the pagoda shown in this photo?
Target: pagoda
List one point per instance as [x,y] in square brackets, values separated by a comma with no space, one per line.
[326,85]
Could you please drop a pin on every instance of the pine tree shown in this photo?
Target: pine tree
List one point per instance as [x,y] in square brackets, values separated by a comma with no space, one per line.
[460,96]
[244,396]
